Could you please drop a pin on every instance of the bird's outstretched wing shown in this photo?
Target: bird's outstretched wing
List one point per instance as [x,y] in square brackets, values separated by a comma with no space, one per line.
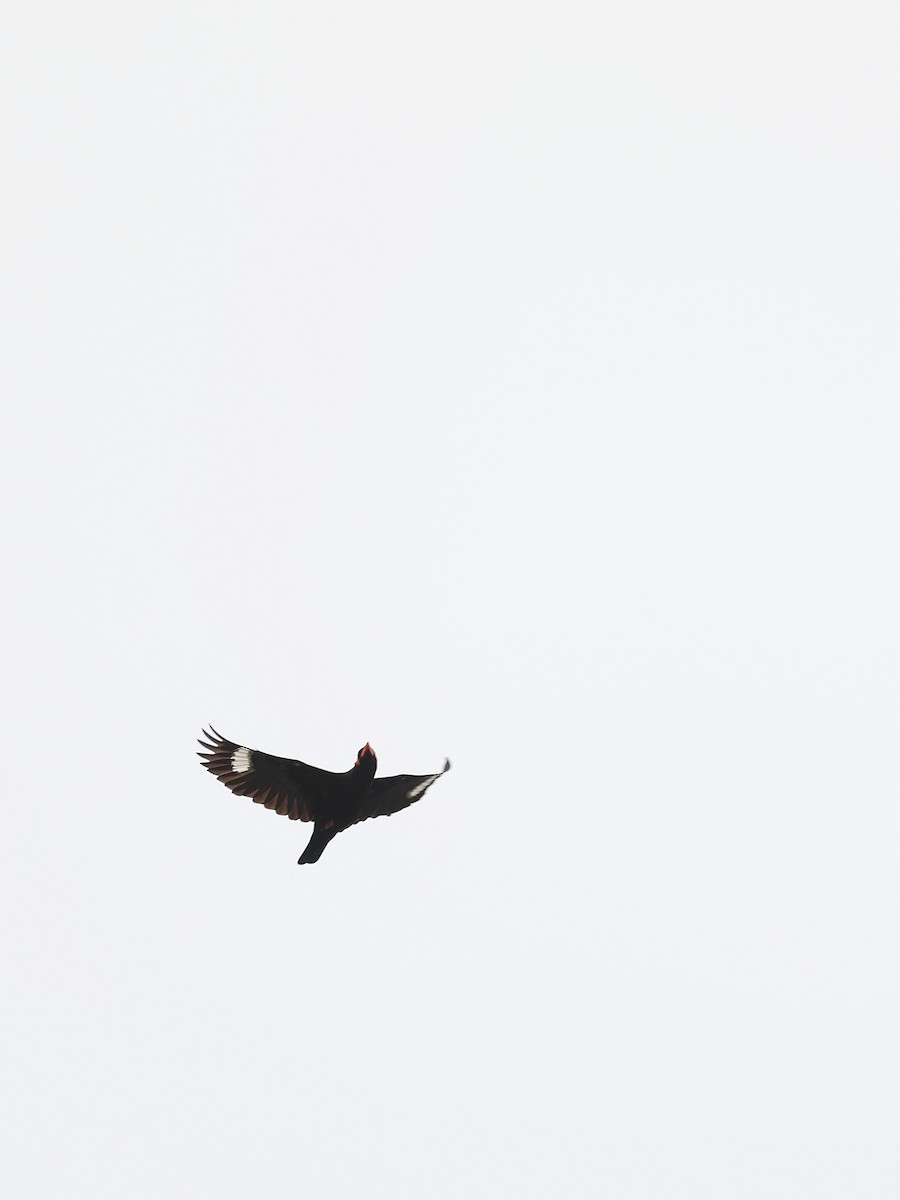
[396,792]
[285,785]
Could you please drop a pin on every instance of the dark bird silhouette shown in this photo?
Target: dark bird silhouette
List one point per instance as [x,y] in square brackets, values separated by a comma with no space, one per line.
[332,800]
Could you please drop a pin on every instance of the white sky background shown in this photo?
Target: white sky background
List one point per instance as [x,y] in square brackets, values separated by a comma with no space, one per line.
[517,382]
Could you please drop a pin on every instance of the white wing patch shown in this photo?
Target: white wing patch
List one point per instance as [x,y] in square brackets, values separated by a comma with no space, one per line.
[413,793]
[242,759]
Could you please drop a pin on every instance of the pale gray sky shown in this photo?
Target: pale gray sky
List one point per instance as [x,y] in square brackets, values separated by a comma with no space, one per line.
[516,382]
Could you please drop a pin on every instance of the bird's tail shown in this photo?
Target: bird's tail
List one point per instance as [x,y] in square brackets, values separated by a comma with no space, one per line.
[317,843]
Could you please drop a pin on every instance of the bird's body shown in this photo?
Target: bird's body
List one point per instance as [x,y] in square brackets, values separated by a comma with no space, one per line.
[333,801]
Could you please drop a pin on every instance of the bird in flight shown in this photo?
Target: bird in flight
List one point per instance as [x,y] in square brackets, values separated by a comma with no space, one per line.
[332,800]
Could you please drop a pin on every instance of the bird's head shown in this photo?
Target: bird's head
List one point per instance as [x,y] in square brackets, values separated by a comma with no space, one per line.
[366,757]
